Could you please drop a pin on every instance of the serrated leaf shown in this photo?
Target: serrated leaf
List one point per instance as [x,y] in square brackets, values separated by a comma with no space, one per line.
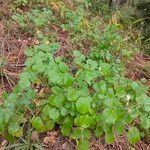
[66,129]
[59,101]
[145,122]
[72,94]
[68,120]
[53,48]
[38,124]
[76,53]
[29,52]
[146,102]
[77,134]
[15,129]
[87,133]
[68,79]
[63,111]
[84,121]
[135,85]
[105,69]
[57,90]
[54,76]
[79,57]
[24,80]
[83,145]
[120,127]
[83,105]
[49,125]
[120,91]
[133,135]
[40,20]
[98,131]
[110,116]
[53,114]
[134,113]
[109,138]
[107,127]
[63,67]
[31,94]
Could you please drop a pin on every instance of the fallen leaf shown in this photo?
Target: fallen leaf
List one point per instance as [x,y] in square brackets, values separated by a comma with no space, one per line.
[49,140]
[35,136]
[67,146]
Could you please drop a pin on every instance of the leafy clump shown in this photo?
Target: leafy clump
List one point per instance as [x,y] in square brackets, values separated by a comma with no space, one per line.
[98,97]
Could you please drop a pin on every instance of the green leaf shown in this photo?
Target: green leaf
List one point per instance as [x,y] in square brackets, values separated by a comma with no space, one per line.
[133,135]
[134,113]
[54,114]
[53,48]
[77,53]
[98,131]
[135,86]
[120,91]
[145,122]
[63,67]
[72,94]
[79,57]
[146,102]
[54,76]
[63,111]
[51,100]
[109,138]
[29,52]
[9,137]
[40,20]
[66,129]
[59,101]
[87,133]
[107,127]
[105,69]
[83,145]
[68,79]
[68,120]
[24,82]
[92,64]
[49,125]
[15,129]
[147,108]
[31,94]
[110,115]
[57,90]
[83,105]
[77,134]
[84,121]
[120,126]
[38,124]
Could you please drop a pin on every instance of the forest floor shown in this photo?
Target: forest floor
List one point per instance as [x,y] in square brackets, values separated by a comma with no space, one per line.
[14,41]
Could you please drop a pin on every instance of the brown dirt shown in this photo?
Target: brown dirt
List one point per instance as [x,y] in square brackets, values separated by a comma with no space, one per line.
[139,67]
[54,141]
[12,45]
[120,143]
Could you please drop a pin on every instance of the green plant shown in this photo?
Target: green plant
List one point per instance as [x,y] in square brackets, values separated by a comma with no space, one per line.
[37,18]
[97,98]
[25,143]
[28,3]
